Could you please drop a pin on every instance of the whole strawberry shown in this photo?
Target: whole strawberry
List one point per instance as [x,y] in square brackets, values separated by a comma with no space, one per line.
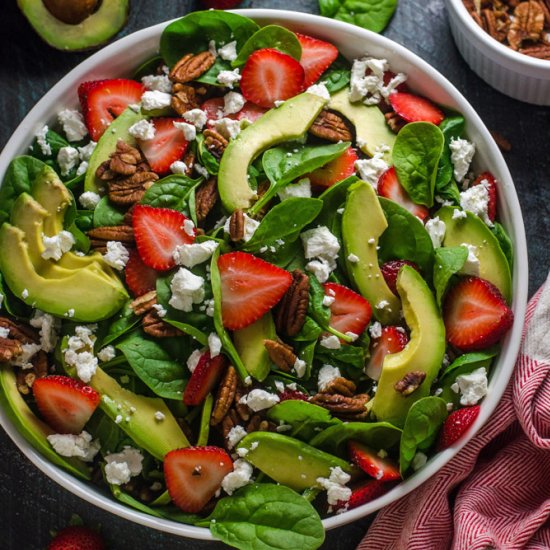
[77,537]
[221,4]
[456,425]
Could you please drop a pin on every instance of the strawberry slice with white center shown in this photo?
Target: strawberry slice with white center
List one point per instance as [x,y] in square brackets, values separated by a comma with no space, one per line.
[349,312]
[103,100]
[379,468]
[140,278]
[476,315]
[157,232]
[270,75]
[317,57]
[168,145]
[194,475]
[363,493]
[390,188]
[392,340]
[65,403]
[203,379]
[487,179]
[214,111]
[250,288]
[336,170]
[414,108]
[456,425]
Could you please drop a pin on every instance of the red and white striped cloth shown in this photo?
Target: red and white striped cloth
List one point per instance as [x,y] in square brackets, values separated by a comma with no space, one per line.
[495,494]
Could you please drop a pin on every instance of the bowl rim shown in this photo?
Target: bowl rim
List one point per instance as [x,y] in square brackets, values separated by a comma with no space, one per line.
[507,357]
[499,52]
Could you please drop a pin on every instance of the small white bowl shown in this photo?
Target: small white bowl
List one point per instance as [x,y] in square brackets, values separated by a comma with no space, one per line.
[120,58]
[512,73]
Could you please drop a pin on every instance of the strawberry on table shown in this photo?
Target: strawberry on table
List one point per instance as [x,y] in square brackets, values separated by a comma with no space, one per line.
[65,403]
[250,288]
[476,315]
[414,108]
[203,379]
[270,75]
[487,179]
[103,100]
[140,278]
[336,170]
[456,425]
[349,312]
[392,340]
[317,57]
[193,475]
[363,493]
[382,469]
[157,232]
[390,271]
[77,537]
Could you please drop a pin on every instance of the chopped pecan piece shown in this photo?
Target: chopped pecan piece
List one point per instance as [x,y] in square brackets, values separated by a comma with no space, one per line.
[130,190]
[292,310]
[26,378]
[191,66]
[527,24]
[144,303]
[496,27]
[410,382]
[189,161]
[340,385]
[225,395]
[215,142]
[330,126]
[259,424]
[9,349]
[100,236]
[184,98]
[241,409]
[540,51]
[394,121]
[19,331]
[236,226]
[205,198]
[340,405]
[281,354]
[230,420]
[154,326]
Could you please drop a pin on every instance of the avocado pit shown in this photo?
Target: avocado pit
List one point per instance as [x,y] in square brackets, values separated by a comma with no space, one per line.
[71,12]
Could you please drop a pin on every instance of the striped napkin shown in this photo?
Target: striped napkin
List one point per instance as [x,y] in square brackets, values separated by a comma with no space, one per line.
[495,494]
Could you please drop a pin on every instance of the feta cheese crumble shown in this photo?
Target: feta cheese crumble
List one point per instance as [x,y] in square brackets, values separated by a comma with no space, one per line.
[330,342]
[89,200]
[56,246]
[23,360]
[327,373]
[154,99]
[117,255]
[299,367]
[214,344]
[321,244]
[228,127]
[157,83]
[79,352]
[122,466]
[319,90]
[187,289]
[42,141]
[250,226]
[300,189]
[239,477]
[419,461]
[229,78]
[73,125]
[79,446]
[143,130]
[229,51]
[67,158]
[236,433]
[436,230]
[48,327]
[193,360]
[462,153]
[258,400]
[367,81]
[106,354]
[471,265]
[178,167]
[190,255]
[473,386]
[371,169]
[335,486]
[375,330]
[196,117]
[233,103]
[189,133]
[476,200]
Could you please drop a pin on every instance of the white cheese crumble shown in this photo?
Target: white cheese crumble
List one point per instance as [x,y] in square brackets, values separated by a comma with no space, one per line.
[250,226]
[189,227]
[214,344]
[319,90]
[258,400]
[352,258]
[321,269]
[233,103]
[23,360]
[67,158]
[193,360]
[236,433]
[471,265]
[25,294]
[153,100]
[239,477]
[299,367]
[122,466]
[178,167]
[89,200]
[79,446]
[5,332]
[371,169]
[190,255]
[328,300]
[56,246]
[229,78]
[436,230]
[117,255]
[157,83]
[73,124]
[473,386]
[322,244]
[86,151]
[78,353]
[143,130]
[335,486]
[327,374]
[300,189]
[459,214]
[189,131]
[159,416]
[367,81]
[201,170]
[48,327]
[462,153]
[106,354]
[228,127]
[187,289]
[476,200]
[212,48]
[42,141]
[375,330]
[229,51]
[160,309]
[330,342]
[197,117]
[419,461]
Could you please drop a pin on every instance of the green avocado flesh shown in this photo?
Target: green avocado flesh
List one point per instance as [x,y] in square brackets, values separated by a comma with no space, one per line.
[424,352]
[285,123]
[96,29]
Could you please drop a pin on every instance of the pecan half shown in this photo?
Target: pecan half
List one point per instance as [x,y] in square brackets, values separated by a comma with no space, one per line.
[215,142]
[494,25]
[100,236]
[184,98]
[229,421]
[191,66]
[527,24]
[281,354]
[340,404]
[206,198]
[154,326]
[189,160]
[330,126]
[236,226]
[242,410]
[225,395]
[394,121]
[129,190]
[144,303]
[19,331]
[292,310]
[410,382]
[540,51]
[340,385]
[9,349]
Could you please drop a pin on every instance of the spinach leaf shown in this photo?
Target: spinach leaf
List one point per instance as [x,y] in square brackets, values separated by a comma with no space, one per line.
[373,15]
[193,33]
[266,517]
[11,303]
[84,219]
[81,240]
[154,366]
[452,128]
[333,198]
[54,140]
[170,192]
[148,67]
[377,435]
[284,221]
[109,434]
[310,331]
[106,213]
[190,330]
[405,238]
[505,243]
[448,261]
[211,75]
[344,356]
[424,419]
[206,158]
[319,312]
[337,75]
[271,36]
[416,153]
[123,321]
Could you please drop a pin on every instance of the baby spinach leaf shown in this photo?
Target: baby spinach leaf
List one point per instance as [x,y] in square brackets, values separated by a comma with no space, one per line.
[148,67]
[337,75]
[170,192]
[271,36]
[344,356]
[84,219]
[122,322]
[206,158]
[319,312]
[452,128]
[81,240]
[405,237]
[106,213]
[265,516]
[54,140]
[424,419]
[310,331]
[448,261]
[12,304]
[373,15]
[333,198]
[103,428]
[192,331]
[154,366]
[416,155]
[505,243]
[211,75]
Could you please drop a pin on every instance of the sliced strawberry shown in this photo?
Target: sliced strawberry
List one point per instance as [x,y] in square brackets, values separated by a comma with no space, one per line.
[367,491]
[292,395]
[157,232]
[487,179]
[77,537]
[317,57]
[390,188]
[166,147]
[203,379]
[270,75]
[382,469]
[392,340]
[476,315]
[390,271]
[65,403]
[250,288]
[193,475]
[103,100]
[140,278]
[214,110]
[336,170]
[349,312]
[456,425]
[388,75]
[414,108]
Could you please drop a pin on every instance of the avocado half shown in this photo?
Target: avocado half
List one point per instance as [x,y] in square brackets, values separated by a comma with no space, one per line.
[95,29]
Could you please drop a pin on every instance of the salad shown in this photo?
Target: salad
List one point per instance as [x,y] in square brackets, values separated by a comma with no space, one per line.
[254,285]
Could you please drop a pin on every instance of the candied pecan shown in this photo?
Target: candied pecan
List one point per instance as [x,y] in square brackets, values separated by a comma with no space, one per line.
[230,420]
[281,354]
[189,161]
[493,25]
[394,121]
[104,172]
[154,326]
[410,382]
[225,395]
[540,51]
[292,310]
[19,331]
[191,66]
[340,404]
[26,378]
[215,142]
[100,236]
[236,226]
[340,385]
[129,215]
[330,126]
[184,98]
[241,409]
[128,191]
[259,424]
[527,24]
[143,304]
[9,349]
[205,198]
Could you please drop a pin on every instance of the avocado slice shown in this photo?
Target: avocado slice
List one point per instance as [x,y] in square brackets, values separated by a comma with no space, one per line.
[363,222]
[88,296]
[289,461]
[249,343]
[371,130]
[285,123]
[493,265]
[32,428]
[118,129]
[424,352]
[94,30]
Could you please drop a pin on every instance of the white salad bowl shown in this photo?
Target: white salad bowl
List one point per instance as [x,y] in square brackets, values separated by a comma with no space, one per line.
[120,58]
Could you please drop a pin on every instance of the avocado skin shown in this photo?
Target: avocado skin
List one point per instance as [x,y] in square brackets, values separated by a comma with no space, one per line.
[424,352]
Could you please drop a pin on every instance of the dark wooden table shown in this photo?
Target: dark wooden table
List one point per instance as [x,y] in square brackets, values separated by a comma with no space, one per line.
[31,504]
